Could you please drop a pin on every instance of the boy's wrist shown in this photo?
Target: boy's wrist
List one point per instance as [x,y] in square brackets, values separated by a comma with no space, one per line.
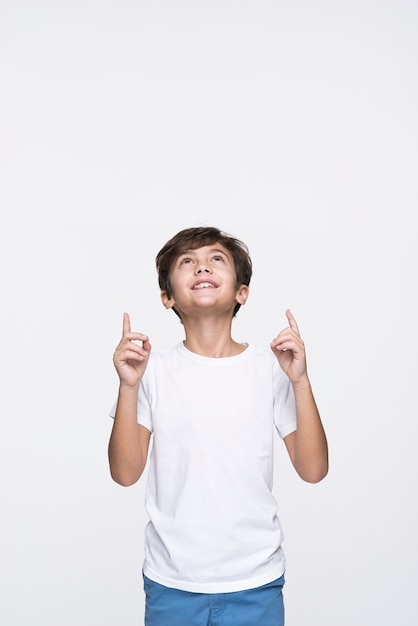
[129,389]
[303,384]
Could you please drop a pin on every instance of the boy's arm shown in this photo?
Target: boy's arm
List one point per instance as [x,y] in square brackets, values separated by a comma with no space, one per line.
[307,445]
[129,441]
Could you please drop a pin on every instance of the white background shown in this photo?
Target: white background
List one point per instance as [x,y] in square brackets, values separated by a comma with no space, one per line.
[291,125]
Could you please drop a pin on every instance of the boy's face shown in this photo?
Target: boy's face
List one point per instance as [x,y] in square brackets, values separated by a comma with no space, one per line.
[204,279]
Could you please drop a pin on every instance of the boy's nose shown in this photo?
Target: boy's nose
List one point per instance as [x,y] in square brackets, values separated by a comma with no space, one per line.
[202,267]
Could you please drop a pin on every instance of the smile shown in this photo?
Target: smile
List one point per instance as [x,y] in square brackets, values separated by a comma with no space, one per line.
[204,285]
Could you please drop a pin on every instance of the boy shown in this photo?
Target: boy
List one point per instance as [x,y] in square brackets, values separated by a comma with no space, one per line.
[213,551]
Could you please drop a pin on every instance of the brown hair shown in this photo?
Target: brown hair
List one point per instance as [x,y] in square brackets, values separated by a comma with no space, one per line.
[198,237]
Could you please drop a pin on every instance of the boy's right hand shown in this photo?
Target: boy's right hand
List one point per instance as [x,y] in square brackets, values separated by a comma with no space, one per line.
[130,359]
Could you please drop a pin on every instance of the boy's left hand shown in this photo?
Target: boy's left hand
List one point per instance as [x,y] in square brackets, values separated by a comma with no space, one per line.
[290,351]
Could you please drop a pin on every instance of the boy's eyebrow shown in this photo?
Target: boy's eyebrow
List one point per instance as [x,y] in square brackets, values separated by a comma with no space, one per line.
[219,251]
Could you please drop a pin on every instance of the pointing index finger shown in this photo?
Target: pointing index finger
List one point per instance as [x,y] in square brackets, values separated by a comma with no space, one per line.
[292,321]
[126,324]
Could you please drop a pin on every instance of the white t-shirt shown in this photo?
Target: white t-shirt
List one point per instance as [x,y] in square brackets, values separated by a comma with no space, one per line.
[213,518]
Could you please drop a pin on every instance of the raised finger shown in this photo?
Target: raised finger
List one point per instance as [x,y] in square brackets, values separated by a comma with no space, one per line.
[292,321]
[126,324]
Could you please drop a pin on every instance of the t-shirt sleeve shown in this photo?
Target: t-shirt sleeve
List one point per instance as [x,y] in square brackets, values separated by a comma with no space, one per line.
[284,403]
[112,411]
[144,415]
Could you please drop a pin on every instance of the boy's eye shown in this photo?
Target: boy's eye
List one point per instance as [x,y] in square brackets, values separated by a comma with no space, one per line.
[185,260]
[218,257]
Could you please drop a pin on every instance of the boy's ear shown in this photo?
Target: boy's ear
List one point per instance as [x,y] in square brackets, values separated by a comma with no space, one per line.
[242,294]
[167,302]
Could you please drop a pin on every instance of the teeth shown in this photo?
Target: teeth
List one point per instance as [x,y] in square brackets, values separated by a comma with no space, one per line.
[202,285]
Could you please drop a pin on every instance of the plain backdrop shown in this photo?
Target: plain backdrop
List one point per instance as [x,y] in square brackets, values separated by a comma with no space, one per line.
[289,124]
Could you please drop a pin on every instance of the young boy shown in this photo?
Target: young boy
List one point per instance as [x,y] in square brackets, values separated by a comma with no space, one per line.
[213,552]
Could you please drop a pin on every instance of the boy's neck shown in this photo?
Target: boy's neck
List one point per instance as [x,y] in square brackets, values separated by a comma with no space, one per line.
[211,340]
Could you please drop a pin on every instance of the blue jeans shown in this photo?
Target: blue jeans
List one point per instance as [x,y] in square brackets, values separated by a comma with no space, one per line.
[262,606]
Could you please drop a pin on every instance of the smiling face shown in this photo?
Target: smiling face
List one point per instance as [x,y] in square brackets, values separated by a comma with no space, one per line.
[193,239]
[204,279]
